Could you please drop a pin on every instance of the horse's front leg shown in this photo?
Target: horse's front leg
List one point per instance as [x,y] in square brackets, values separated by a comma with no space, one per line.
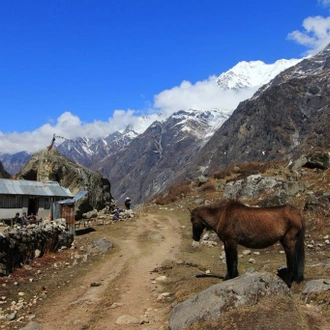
[231,258]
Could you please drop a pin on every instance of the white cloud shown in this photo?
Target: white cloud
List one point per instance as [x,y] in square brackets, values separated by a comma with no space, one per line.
[324,2]
[68,126]
[316,35]
[204,94]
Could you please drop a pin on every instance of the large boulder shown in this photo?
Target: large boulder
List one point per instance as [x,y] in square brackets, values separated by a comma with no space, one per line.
[208,305]
[315,287]
[51,165]
[318,202]
[277,189]
[320,160]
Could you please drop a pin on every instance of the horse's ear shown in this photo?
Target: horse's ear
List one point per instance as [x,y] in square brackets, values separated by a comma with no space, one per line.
[189,209]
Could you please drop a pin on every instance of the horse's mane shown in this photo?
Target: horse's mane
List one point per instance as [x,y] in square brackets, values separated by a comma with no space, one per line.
[234,203]
[228,203]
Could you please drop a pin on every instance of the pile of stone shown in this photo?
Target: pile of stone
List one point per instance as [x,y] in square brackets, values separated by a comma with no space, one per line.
[103,217]
[122,215]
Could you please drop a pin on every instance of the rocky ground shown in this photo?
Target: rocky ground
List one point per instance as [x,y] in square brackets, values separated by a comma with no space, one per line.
[109,280]
[129,274]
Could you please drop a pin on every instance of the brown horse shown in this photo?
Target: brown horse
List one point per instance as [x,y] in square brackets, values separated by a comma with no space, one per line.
[254,227]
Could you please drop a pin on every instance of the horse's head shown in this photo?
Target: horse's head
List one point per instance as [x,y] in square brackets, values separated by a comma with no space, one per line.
[198,224]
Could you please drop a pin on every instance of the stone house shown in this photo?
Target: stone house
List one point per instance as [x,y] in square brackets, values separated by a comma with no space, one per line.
[35,197]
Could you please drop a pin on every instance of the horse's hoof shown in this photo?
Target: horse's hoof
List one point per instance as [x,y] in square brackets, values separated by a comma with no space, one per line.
[282,273]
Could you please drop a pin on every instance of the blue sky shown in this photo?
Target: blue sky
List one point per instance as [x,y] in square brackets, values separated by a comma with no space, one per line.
[87,68]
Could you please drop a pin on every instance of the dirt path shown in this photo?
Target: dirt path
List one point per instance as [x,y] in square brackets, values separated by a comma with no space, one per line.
[128,290]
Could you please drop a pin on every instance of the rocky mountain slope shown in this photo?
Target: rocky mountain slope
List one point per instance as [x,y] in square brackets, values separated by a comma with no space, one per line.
[284,119]
[150,162]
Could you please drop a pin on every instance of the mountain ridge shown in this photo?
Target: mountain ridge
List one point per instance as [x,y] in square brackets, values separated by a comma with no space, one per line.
[158,156]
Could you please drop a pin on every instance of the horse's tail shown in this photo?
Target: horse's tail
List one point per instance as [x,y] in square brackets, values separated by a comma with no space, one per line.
[299,266]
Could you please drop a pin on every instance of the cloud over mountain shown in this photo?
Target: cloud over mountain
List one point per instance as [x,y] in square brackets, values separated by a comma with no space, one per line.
[222,93]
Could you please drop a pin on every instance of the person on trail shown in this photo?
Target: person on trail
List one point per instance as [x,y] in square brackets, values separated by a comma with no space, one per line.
[128,203]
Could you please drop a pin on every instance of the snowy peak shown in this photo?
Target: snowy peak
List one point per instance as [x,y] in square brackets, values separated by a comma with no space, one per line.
[208,121]
[253,74]
[144,121]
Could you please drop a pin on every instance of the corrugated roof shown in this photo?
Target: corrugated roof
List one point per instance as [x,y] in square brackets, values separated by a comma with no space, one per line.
[80,194]
[33,188]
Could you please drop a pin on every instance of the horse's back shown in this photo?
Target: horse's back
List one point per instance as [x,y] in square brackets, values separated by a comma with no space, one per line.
[277,214]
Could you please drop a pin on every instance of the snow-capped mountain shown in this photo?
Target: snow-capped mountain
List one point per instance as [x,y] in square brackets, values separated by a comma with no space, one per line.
[210,118]
[286,118]
[90,151]
[245,76]
[252,74]
[149,163]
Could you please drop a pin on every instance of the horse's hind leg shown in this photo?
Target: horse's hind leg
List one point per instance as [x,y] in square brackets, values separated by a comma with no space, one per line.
[289,248]
[231,259]
[298,275]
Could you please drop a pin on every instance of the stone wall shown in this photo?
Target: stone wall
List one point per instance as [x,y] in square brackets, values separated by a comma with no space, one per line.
[20,245]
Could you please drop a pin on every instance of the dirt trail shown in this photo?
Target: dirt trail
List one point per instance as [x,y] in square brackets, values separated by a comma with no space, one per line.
[128,290]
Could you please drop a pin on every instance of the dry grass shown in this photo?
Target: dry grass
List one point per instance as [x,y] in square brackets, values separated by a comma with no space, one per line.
[320,220]
[207,187]
[173,194]
[245,169]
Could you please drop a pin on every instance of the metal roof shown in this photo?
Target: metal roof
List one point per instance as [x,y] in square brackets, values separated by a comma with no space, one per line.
[33,188]
[69,201]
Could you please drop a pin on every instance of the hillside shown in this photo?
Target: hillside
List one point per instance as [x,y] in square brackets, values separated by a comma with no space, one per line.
[151,265]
